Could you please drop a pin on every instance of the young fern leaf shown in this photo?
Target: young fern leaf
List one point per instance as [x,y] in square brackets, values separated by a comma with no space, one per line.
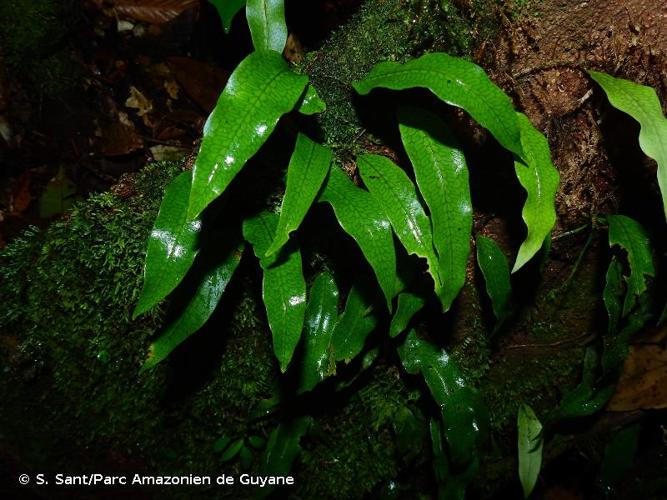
[199,308]
[172,245]
[361,217]
[283,286]
[311,103]
[227,9]
[540,179]
[493,264]
[306,172]
[321,316]
[642,104]
[631,236]
[409,304]
[442,177]
[353,326]
[260,90]
[395,193]
[530,443]
[457,82]
[266,20]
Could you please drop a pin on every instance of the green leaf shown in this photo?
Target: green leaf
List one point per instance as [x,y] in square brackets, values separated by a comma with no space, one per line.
[282,448]
[311,103]
[232,450]
[213,281]
[58,196]
[493,264]
[306,172]
[540,179]
[641,103]
[619,455]
[221,444]
[362,218]
[283,286]
[395,193]
[266,19]
[457,82]
[631,236]
[353,326]
[227,9]
[321,316]
[260,90]
[442,177]
[172,245]
[613,294]
[409,304]
[531,442]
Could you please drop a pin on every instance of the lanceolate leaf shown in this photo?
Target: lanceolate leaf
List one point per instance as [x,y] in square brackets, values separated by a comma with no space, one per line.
[409,304]
[631,236]
[613,295]
[531,442]
[172,245]
[227,9]
[396,194]
[266,19]
[310,102]
[261,89]
[199,308]
[643,105]
[353,326]
[457,82]
[493,265]
[283,287]
[540,179]
[362,218]
[306,171]
[442,177]
[321,316]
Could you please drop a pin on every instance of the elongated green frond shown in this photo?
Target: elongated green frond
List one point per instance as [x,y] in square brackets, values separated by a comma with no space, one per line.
[493,264]
[172,245]
[354,325]
[631,236]
[260,90]
[613,293]
[642,103]
[306,172]
[395,193]
[201,305]
[457,82]
[266,19]
[283,286]
[409,304]
[442,177]
[321,316]
[227,9]
[540,179]
[361,217]
[530,443]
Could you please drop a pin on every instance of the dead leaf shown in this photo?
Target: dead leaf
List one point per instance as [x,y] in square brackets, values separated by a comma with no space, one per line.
[168,153]
[120,139]
[172,88]
[643,383]
[20,198]
[203,82]
[153,11]
[141,103]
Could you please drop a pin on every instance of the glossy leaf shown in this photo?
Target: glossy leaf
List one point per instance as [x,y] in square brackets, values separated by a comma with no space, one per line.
[266,19]
[362,218]
[353,326]
[493,264]
[199,308]
[442,177]
[172,245]
[457,82]
[409,304]
[306,172]
[283,286]
[395,193]
[260,90]
[311,103]
[321,316]
[540,179]
[227,9]
[531,442]
[631,236]
[641,103]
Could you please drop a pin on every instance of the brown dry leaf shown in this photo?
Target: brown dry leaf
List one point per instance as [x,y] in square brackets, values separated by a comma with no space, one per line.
[20,196]
[153,11]
[120,139]
[643,383]
[203,82]
[141,103]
